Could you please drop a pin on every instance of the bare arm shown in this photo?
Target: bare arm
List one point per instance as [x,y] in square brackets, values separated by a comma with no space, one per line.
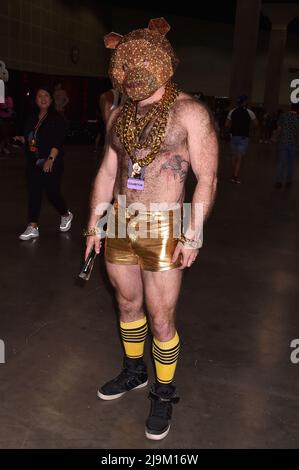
[102,192]
[203,150]
[48,164]
[255,122]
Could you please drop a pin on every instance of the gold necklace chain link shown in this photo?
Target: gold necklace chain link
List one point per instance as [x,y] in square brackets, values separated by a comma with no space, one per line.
[129,128]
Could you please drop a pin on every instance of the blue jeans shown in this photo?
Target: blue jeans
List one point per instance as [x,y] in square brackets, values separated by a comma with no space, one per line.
[287,153]
[239,144]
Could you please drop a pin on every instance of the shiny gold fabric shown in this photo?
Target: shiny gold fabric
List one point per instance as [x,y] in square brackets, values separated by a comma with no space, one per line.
[150,239]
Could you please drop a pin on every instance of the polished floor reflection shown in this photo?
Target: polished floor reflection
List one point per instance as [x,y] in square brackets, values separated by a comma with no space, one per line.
[237,316]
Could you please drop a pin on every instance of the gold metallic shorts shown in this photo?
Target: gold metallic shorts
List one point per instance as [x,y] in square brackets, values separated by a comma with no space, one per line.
[145,238]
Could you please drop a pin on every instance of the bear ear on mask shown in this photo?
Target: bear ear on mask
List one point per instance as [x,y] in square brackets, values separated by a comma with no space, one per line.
[160,25]
[112,40]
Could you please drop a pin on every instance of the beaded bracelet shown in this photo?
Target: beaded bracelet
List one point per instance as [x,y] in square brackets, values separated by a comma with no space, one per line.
[188,243]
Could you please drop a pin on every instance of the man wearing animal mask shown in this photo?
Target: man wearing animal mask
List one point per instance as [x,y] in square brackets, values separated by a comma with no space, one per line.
[151,142]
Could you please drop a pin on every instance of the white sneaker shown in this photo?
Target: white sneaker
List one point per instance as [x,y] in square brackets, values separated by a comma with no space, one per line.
[30,232]
[66,222]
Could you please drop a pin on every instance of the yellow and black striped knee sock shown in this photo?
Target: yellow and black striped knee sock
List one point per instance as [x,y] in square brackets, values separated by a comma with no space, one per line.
[166,355]
[133,335]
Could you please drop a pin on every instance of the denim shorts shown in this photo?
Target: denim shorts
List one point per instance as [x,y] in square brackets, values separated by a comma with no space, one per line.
[239,144]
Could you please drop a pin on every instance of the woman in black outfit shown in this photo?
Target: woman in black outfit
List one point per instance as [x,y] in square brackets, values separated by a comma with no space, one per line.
[43,138]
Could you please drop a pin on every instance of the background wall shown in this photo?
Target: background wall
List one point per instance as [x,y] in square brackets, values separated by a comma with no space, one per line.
[204,59]
[37,36]
[205,52]
[291,60]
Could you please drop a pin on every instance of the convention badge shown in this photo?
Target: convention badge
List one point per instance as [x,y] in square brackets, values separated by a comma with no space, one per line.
[32,143]
[32,146]
[136,175]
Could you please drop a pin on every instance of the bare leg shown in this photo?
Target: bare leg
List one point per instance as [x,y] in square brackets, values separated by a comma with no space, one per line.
[238,165]
[127,281]
[234,158]
[236,161]
[161,295]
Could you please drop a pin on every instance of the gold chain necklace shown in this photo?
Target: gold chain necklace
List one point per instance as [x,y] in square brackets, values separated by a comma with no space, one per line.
[129,128]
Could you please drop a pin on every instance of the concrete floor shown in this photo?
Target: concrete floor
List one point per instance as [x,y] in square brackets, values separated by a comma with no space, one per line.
[237,315]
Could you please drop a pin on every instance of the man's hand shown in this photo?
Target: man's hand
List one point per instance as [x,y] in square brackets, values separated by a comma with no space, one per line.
[91,242]
[187,255]
[48,166]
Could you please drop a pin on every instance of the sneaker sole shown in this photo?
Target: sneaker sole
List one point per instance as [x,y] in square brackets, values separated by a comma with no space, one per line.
[67,228]
[24,238]
[118,395]
[156,437]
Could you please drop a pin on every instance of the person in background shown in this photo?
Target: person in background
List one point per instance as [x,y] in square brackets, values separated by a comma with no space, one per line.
[273,125]
[60,98]
[108,102]
[288,134]
[43,138]
[265,135]
[100,136]
[238,121]
[6,115]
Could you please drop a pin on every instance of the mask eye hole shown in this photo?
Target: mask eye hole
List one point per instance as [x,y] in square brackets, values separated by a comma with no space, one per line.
[125,67]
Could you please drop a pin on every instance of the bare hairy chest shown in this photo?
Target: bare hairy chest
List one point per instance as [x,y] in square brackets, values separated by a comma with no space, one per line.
[174,137]
[168,171]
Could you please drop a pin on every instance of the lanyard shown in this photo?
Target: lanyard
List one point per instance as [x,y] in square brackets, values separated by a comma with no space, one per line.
[38,126]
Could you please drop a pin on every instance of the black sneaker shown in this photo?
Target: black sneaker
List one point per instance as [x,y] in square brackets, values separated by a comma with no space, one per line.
[157,424]
[133,376]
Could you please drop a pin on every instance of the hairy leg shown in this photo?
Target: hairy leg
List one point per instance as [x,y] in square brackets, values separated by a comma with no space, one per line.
[127,281]
[161,295]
